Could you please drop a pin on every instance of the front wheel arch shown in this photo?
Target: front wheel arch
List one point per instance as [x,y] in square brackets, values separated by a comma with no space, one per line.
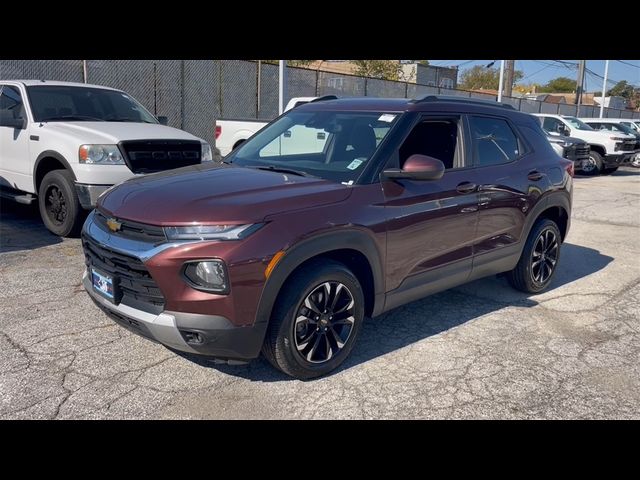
[323,245]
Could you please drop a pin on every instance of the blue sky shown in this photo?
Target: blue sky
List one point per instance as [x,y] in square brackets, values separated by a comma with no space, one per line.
[541,71]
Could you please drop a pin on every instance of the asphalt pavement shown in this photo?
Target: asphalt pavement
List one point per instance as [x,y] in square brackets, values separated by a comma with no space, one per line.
[481,350]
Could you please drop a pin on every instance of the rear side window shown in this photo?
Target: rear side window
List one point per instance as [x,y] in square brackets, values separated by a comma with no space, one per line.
[494,142]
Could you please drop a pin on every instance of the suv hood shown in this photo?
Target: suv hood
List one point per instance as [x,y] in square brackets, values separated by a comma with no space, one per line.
[114,132]
[213,194]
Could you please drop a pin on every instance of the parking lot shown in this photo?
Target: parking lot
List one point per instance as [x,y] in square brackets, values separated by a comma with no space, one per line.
[478,351]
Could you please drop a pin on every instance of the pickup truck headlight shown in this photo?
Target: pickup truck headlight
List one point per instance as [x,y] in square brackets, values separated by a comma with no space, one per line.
[100,154]
[207,155]
[207,275]
[211,232]
[619,139]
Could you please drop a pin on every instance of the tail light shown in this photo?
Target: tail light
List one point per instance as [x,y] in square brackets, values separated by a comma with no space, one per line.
[569,167]
[218,131]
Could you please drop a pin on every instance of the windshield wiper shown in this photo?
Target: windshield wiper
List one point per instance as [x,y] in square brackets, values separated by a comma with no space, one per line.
[273,168]
[72,117]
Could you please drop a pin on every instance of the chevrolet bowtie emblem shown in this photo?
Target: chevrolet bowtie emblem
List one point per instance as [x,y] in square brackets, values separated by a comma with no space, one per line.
[114,225]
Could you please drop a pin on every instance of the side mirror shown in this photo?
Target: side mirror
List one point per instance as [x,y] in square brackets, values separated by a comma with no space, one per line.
[9,121]
[163,120]
[563,130]
[418,167]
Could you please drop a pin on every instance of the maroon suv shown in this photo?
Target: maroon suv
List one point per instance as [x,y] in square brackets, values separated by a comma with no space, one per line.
[337,210]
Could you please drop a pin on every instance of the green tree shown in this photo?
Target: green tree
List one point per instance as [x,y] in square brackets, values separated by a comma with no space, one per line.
[385,69]
[559,85]
[622,89]
[481,77]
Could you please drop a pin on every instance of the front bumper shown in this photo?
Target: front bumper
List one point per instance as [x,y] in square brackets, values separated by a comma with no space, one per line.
[88,194]
[615,160]
[217,336]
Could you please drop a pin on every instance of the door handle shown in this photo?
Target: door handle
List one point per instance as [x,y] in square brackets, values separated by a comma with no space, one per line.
[466,187]
[534,175]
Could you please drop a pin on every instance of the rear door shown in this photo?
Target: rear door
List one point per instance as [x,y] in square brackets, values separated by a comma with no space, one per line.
[508,184]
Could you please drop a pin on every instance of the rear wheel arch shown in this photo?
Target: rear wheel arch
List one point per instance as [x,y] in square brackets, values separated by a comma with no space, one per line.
[556,207]
[353,248]
[46,162]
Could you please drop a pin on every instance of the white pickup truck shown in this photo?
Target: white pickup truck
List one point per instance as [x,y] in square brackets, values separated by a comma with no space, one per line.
[64,144]
[231,133]
[608,150]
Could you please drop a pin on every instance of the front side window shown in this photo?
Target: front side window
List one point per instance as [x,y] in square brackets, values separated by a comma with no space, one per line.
[332,145]
[434,137]
[577,124]
[494,142]
[551,124]
[11,105]
[58,103]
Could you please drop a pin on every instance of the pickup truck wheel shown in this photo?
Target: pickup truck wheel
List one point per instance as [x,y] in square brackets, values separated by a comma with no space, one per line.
[315,321]
[539,258]
[635,162]
[59,206]
[592,165]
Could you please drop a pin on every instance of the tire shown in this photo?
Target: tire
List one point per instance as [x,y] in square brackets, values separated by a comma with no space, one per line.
[593,166]
[609,171]
[295,347]
[523,276]
[58,202]
[635,162]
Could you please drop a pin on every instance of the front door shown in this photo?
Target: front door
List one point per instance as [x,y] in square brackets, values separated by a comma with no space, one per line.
[431,224]
[15,167]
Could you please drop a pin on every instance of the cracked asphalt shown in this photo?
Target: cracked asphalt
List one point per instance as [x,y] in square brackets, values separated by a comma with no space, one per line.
[481,350]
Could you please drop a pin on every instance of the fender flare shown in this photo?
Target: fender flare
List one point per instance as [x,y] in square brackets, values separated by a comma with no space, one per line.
[599,146]
[553,199]
[52,154]
[350,238]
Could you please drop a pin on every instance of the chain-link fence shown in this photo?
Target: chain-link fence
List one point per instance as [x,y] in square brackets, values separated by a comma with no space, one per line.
[192,94]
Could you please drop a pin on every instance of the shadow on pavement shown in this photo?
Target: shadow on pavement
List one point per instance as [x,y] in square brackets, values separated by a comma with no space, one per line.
[434,314]
[22,229]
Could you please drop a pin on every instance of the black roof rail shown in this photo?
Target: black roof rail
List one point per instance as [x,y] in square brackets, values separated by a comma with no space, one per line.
[451,98]
[323,98]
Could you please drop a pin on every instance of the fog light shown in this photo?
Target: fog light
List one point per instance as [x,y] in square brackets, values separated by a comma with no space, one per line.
[209,275]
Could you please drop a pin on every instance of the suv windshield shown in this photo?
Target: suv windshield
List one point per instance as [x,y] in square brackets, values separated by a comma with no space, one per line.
[577,124]
[51,103]
[328,144]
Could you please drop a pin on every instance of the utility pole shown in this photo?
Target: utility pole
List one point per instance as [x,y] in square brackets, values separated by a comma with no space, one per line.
[501,82]
[604,87]
[282,86]
[509,67]
[580,82]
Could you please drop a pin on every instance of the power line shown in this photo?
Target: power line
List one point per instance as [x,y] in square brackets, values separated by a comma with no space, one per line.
[627,63]
[537,72]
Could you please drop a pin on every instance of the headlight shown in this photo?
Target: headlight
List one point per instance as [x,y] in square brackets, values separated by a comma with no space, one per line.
[619,139]
[100,154]
[207,156]
[211,232]
[209,275]
[567,144]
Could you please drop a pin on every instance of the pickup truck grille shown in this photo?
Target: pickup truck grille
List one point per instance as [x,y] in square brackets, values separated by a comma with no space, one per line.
[147,156]
[132,277]
[133,230]
[626,146]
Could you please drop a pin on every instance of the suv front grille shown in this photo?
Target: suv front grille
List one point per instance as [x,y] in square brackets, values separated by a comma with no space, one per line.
[133,278]
[147,156]
[133,230]
[582,151]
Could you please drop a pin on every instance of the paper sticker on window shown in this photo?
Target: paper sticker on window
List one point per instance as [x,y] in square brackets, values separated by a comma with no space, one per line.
[355,164]
[386,117]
